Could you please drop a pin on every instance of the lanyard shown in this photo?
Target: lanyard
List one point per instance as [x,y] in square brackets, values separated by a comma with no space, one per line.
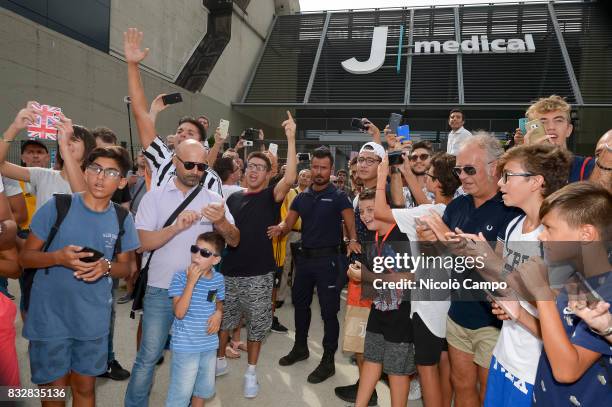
[379,248]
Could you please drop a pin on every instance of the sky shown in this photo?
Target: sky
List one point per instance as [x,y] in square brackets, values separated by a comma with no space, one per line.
[316,5]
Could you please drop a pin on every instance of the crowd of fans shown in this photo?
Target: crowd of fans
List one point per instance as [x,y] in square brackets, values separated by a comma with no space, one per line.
[209,241]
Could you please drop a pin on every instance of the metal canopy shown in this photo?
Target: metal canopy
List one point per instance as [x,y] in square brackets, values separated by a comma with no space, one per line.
[300,64]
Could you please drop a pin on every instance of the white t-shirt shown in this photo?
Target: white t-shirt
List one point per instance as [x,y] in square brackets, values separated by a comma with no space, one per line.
[45,182]
[410,201]
[11,187]
[455,138]
[432,311]
[230,189]
[163,170]
[517,349]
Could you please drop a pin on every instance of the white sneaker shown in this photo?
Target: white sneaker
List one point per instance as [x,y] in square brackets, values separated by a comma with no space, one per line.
[222,367]
[251,387]
[415,389]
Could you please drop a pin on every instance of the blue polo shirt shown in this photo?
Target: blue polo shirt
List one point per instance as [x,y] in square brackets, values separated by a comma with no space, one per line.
[321,213]
[489,218]
[577,163]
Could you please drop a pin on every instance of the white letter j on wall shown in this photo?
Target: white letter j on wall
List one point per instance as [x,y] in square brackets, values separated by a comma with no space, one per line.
[378,53]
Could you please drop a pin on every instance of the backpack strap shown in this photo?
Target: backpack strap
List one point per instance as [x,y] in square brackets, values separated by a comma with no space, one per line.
[121,213]
[583,168]
[62,206]
[514,225]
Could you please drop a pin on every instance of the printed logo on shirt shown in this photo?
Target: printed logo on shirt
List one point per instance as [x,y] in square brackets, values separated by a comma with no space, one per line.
[109,240]
[327,200]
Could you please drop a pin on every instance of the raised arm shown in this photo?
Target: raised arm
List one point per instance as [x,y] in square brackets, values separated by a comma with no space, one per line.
[285,184]
[24,118]
[132,40]
[72,167]
[381,208]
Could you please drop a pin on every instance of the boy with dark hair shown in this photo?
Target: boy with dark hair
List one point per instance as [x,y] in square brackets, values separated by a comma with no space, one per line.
[197,295]
[104,136]
[575,367]
[74,265]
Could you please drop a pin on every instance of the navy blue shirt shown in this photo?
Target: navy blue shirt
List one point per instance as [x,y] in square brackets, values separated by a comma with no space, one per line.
[321,214]
[489,218]
[576,168]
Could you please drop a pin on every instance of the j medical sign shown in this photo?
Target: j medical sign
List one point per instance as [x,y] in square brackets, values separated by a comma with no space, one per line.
[477,44]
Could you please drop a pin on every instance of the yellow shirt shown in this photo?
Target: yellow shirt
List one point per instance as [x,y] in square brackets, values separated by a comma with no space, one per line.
[281,245]
[30,200]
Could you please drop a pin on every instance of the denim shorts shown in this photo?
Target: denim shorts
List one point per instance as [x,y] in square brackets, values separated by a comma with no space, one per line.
[191,374]
[54,359]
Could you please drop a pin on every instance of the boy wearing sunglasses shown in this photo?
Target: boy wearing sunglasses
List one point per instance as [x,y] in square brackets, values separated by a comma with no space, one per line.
[197,297]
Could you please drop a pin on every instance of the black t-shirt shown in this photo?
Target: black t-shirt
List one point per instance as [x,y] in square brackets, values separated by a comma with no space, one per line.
[321,214]
[489,218]
[253,214]
[121,196]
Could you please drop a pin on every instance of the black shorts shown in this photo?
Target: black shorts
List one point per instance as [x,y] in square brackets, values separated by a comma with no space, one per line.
[395,326]
[427,346]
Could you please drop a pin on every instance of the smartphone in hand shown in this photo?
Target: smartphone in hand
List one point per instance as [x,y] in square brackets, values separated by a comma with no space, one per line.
[223,128]
[96,255]
[172,98]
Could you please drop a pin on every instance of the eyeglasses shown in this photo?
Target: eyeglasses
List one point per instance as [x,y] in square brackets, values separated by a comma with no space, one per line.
[431,176]
[257,167]
[108,172]
[421,157]
[203,252]
[190,165]
[368,161]
[506,174]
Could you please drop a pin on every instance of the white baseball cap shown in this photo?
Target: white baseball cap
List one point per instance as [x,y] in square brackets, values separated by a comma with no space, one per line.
[374,148]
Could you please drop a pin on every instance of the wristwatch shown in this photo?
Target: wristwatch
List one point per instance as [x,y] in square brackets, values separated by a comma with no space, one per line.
[607,332]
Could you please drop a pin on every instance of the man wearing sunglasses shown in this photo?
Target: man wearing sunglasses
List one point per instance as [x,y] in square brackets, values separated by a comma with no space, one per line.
[472,330]
[204,213]
[249,267]
[414,170]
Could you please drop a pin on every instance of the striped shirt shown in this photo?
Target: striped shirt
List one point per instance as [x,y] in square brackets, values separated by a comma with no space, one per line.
[159,157]
[189,334]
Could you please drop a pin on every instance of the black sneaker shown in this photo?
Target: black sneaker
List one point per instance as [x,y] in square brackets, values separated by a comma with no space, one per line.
[298,353]
[278,327]
[115,372]
[349,394]
[325,370]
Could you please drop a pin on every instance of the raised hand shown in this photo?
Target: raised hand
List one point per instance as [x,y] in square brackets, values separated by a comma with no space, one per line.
[289,126]
[157,105]
[26,116]
[132,41]
[65,131]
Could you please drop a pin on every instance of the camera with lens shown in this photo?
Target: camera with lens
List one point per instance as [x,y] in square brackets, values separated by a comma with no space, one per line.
[251,134]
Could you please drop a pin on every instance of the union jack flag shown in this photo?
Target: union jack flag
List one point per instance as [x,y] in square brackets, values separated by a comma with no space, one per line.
[44,127]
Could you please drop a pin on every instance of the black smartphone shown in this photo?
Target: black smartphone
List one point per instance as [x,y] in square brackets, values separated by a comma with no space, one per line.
[95,257]
[303,156]
[358,124]
[395,158]
[172,98]
[394,121]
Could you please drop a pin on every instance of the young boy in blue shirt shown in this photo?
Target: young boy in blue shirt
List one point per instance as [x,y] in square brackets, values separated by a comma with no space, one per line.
[70,302]
[197,295]
[574,369]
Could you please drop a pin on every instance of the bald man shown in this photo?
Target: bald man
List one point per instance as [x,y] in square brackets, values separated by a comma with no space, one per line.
[206,212]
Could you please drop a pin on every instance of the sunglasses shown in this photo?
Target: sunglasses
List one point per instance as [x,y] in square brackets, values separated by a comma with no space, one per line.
[431,176]
[189,165]
[421,157]
[203,252]
[469,169]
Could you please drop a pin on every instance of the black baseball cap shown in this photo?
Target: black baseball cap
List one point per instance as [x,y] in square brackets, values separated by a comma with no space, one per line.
[32,142]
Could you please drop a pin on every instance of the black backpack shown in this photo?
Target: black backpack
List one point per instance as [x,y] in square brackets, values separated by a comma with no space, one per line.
[62,206]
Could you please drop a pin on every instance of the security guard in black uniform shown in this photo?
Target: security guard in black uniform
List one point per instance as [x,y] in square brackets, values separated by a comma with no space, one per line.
[320,260]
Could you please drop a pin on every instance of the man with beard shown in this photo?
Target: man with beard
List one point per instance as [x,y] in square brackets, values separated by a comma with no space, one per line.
[320,261]
[249,267]
[414,171]
[171,244]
